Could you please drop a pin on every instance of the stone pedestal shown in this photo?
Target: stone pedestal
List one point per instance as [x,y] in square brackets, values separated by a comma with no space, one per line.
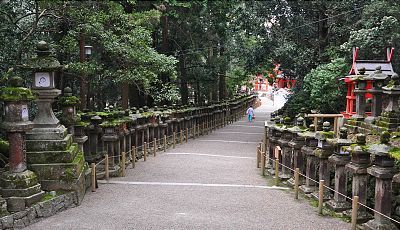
[19,186]
[339,202]
[283,142]
[297,143]
[311,160]
[360,160]
[110,139]
[383,171]
[323,151]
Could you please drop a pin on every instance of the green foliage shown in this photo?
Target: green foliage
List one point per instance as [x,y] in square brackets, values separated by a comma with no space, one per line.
[71,100]
[16,94]
[166,94]
[321,90]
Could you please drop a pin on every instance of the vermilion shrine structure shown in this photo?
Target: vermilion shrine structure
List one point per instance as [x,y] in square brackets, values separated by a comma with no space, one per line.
[281,79]
[368,66]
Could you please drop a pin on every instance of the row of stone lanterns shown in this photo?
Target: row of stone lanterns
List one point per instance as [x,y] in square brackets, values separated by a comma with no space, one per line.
[322,150]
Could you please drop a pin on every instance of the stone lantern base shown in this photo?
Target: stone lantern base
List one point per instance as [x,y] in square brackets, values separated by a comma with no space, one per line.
[337,206]
[381,225]
[20,190]
[58,163]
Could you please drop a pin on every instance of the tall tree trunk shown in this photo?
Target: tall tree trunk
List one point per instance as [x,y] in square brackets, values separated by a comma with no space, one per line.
[184,86]
[222,73]
[83,80]
[323,30]
[165,46]
[125,95]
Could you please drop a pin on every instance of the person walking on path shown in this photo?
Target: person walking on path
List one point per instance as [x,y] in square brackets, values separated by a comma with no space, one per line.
[250,113]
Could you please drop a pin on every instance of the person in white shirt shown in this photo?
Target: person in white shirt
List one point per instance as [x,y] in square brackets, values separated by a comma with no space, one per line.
[250,113]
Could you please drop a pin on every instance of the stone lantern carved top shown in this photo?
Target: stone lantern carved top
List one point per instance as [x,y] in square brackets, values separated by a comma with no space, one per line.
[342,140]
[326,133]
[298,128]
[44,60]
[377,74]
[16,92]
[393,85]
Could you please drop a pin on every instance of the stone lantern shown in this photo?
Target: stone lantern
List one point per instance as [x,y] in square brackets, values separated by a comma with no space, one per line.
[286,149]
[51,154]
[360,161]
[311,160]
[360,90]
[378,79]
[19,186]
[339,159]
[296,143]
[94,131]
[389,119]
[383,170]
[323,151]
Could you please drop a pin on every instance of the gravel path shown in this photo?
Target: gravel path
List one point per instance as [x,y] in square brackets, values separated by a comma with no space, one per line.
[208,183]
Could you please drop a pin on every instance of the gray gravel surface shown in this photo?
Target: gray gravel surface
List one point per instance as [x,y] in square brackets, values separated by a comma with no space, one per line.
[199,206]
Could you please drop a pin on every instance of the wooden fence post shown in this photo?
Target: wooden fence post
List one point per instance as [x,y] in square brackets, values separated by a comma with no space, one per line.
[173,140]
[133,154]
[93,176]
[296,183]
[165,143]
[123,160]
[107,169]
[320,196]
[155,146]
[263,163]
[354,213]
[187,134]
[145,151]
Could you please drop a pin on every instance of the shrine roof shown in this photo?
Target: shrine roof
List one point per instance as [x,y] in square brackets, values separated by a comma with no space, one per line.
[370,66]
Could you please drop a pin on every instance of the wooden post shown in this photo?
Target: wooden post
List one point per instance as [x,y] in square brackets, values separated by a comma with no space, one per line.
[173,140]
[335,125]
[181,137]
[93,176]
[296,183]
[187,135]
[133,154]
[258,156]
[202,131]
[354,213]
[263,163]
[155,146]
[276,171]
[315,123]
[194,132]
[320,196]
[123,160]
[106,169]
[165,143]
[144,151]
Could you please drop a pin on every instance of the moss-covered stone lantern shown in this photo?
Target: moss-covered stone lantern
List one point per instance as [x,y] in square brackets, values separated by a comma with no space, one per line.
[19,186]
[51,153]
[360,161]
[383,170]
[340,157]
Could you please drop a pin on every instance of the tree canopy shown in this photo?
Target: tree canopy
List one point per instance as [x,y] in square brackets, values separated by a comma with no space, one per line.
[165,52]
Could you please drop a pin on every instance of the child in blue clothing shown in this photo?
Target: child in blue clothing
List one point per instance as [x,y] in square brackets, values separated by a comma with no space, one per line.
[250,113]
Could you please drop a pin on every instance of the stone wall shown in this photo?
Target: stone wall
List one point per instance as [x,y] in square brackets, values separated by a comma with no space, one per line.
[38,211]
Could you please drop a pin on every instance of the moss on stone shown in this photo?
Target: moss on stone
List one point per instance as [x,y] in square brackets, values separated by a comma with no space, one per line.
[395,153]
[4,146]
[70,100]
[16,94]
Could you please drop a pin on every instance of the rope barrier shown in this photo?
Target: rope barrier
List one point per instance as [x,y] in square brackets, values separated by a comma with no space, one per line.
[333,190]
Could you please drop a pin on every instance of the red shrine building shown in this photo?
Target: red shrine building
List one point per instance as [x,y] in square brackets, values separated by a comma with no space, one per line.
[282,79]
[370,66]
